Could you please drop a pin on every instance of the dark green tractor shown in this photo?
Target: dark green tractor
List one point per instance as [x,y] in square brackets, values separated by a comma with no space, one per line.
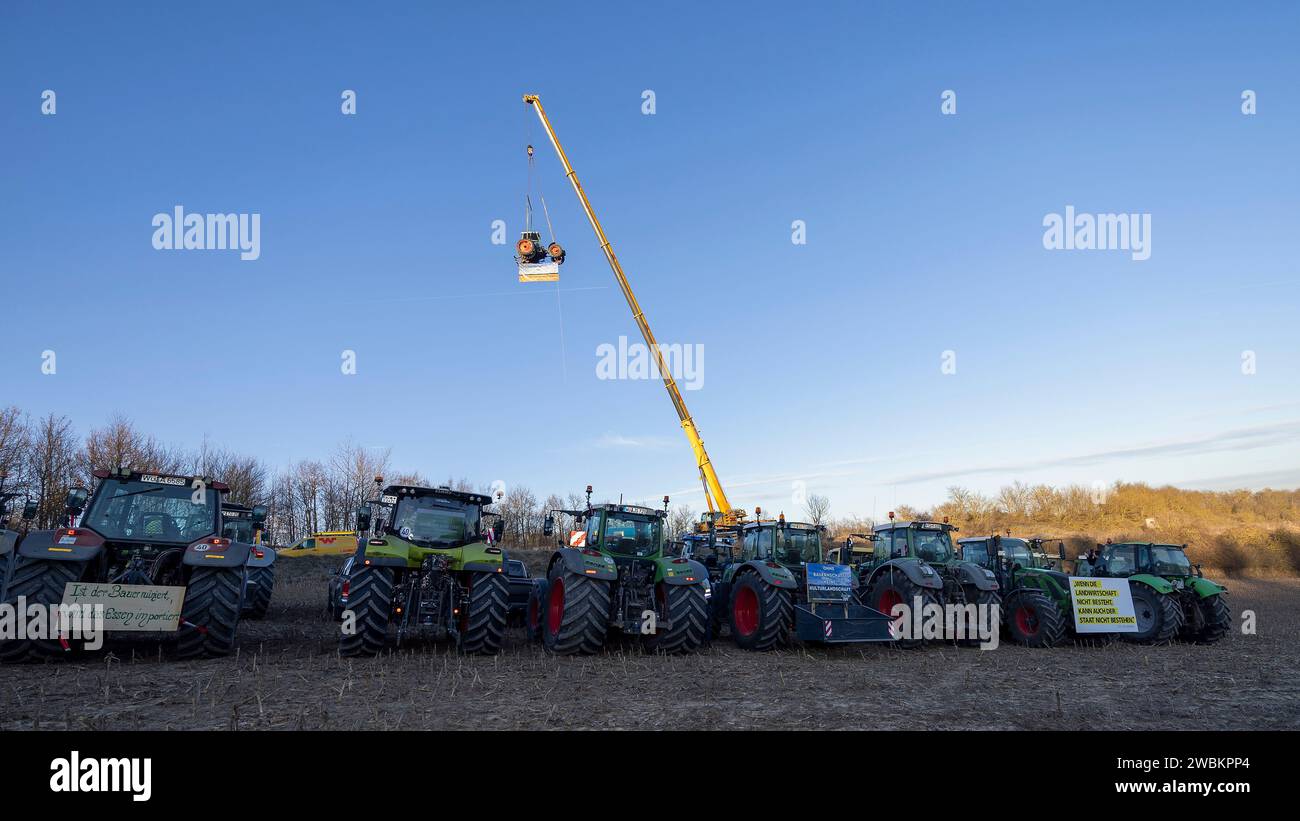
[1171,597]
[916,562]
[781,586]
[427,565]
[9,539]
[240,525]
[1036,611]
[612,575]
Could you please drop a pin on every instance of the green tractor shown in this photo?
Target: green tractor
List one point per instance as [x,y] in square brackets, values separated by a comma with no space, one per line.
[239,525]
[782,585]
[1037,610]
[916,562]
[427,564]
[613,575]
[1171,598]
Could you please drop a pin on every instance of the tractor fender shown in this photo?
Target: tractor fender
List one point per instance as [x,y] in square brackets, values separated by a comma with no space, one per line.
[480,557]
[1204,588]
[267,559]
[770,573]
[972,574]
[8,539]
[682,571]
[1161,586]
[57,546]
[595,565]
[914,569]
[204,554]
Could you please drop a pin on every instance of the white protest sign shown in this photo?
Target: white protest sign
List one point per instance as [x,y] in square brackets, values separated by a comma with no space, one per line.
[1102,605]
[130,607]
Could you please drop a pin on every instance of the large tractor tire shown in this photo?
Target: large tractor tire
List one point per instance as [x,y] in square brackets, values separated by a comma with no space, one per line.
[370,599]
[577,612]
[688,612]
[210,614]
[1159,617]
[761,615]
[535,612]
[892,588]
[261,583]
[1033,619]
[1213,619]
[483,624]
[40,582]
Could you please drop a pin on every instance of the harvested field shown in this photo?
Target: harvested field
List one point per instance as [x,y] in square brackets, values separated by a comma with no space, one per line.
[287,675]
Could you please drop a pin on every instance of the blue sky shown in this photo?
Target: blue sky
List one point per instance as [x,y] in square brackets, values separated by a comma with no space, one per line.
[822,361]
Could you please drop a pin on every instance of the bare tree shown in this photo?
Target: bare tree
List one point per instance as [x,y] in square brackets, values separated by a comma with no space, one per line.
[681,520]
[816,507]
[52,465]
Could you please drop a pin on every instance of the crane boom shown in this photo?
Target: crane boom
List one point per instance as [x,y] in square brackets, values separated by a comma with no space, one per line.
[713,491]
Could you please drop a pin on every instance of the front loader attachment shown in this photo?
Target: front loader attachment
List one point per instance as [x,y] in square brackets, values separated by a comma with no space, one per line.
[842,623]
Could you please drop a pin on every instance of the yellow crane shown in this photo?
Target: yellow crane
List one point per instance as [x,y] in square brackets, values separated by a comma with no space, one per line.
[720,509]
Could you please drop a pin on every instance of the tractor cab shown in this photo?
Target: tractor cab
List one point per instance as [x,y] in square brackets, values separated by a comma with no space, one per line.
[859,548]
[929,541]
[242,524]
[152,510]
[430,518]
[791,544]
[1130,559]
[621,530]
[999,552]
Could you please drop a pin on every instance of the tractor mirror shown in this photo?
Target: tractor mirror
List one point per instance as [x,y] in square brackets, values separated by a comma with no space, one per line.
[363,519]
[548,526]
[30,507]
[259,514]
[76,500]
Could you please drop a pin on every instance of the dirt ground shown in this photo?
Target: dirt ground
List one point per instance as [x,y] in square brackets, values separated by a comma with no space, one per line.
[287,675]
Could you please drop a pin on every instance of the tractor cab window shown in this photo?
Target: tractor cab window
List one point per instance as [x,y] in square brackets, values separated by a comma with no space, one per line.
[593,531]
[632,536]
[148,511]
[932,545]
[1018,552]
[1170,561]
[1121,560]
[896,538]
[750,548]
[765,543]
[435,520]
[238,530]
[794,546]
[977,552]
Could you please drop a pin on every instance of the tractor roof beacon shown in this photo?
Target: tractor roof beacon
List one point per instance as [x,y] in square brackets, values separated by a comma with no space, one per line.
[1171,597]
[239,523]
[138,528]
[1037,610]
[914,561]
[427,566]
[780,583]
[612,575]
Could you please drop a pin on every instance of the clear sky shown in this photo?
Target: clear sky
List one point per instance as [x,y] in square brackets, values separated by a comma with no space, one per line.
[822,361]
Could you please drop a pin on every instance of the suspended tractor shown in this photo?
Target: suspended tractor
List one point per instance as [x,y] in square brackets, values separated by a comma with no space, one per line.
[780,586]
[136,530]
[612,576]
[1037,610]
[427,566]
[1171,597]
[239,525]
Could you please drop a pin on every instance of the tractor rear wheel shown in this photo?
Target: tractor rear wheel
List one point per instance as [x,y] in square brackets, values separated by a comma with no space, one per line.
[893,588]
[1213,619]
[210,613]
[1033,619]
[370,600]
[535,612]
[261,583]
[40,582]
[483,624]
[1159,617]
[577,612]
[761,614]
[688,614]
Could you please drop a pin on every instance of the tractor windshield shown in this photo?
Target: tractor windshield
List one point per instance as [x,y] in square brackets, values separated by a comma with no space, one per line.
[1170,561]
[1016,550]
[436,521]
[795,546]
[631,535]
[934,546]
[152,511]
[238,530]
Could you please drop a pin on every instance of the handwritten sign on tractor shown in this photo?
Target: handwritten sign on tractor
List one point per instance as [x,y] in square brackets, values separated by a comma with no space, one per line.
[830,582]
[130,607]
[1102,605]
